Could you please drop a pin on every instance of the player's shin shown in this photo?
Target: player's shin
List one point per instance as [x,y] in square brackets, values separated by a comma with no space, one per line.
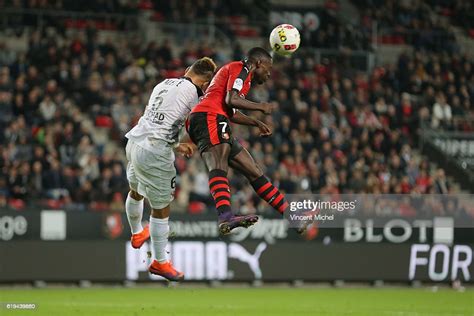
[267,191]
[220,191]
[159,231]
[134,210]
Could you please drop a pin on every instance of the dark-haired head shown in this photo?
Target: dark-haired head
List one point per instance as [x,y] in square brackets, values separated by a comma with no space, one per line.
[258,53]
[262,64]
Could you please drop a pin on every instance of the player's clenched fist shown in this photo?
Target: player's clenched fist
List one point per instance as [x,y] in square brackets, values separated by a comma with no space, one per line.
[185,149]
[265,130]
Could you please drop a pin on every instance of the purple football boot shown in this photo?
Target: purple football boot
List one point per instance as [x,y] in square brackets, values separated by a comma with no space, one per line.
[229,221]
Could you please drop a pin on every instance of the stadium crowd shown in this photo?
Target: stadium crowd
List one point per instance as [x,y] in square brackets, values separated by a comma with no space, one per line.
[98,6]
[417,23]
[66,103]
[64,109]
[459,12]
[424,24]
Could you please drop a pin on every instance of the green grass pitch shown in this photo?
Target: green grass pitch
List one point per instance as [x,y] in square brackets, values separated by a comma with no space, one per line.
[239,301]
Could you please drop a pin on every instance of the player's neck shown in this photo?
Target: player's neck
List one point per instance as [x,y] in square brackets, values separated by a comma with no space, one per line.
[250,65]
[195,80]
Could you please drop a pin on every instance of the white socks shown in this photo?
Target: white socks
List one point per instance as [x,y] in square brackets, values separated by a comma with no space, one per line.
[159,231]
[134,211]
[159,228]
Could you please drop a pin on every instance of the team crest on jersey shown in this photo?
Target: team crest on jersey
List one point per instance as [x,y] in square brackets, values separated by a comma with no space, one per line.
[238,84]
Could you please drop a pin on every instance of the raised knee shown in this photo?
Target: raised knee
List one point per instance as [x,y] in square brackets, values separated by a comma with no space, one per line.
[255,173]
[160,213]
[135,195]
[223,167]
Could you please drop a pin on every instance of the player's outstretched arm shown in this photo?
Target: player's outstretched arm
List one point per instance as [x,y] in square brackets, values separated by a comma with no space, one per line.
[242,119]
[235,101]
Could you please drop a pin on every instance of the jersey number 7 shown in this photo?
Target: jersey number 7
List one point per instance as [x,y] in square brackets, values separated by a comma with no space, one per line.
[224,126]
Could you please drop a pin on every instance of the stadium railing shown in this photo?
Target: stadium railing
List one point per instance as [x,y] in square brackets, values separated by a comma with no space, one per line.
[40,18]
[186,32]
[35,19]
[431,39]
[357,59]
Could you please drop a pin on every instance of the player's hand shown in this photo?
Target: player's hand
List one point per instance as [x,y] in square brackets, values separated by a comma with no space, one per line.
[265,130]
[185,149]
[267,108]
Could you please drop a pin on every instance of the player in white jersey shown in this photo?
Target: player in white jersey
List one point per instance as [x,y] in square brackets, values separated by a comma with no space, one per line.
[150,154]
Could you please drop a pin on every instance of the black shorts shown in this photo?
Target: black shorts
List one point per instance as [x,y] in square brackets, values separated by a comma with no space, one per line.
[210,129]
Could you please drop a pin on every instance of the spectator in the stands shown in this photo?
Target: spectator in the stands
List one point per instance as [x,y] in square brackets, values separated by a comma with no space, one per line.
[441,184]
[442,114]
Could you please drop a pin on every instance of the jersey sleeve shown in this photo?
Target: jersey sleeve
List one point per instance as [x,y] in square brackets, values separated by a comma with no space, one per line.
[237,76]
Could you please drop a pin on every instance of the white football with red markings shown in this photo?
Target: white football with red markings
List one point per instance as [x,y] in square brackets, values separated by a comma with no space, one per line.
[285,39]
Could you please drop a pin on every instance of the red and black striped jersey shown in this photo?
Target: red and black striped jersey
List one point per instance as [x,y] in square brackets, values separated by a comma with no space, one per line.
[234,75]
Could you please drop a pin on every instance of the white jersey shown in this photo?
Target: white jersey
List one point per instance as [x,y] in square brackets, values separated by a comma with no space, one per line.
[169,105]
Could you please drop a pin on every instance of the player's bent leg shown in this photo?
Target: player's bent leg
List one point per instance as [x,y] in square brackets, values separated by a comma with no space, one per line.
[216,159]
[134,210]
[135,195]
[244,163]
[159,232]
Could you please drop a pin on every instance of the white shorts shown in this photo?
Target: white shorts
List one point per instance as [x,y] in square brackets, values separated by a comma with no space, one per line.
[152,175]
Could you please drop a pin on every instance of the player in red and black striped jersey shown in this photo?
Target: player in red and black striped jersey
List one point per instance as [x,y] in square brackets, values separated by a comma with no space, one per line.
[209,128]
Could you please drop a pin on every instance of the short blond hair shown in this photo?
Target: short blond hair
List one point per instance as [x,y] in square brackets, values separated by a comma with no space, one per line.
[204,67]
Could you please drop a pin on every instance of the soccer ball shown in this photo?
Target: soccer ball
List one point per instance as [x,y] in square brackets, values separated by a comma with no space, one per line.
[285,39]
